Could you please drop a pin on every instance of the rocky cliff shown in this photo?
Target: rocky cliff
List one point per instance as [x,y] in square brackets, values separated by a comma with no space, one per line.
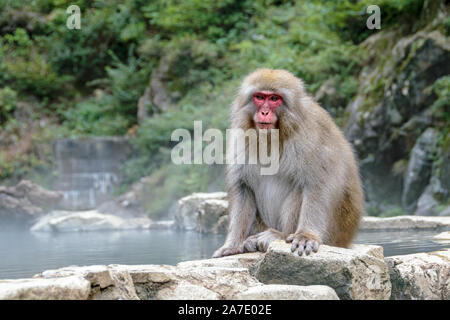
[398,121]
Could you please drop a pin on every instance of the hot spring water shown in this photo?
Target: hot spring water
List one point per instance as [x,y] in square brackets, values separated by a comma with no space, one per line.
[24,254]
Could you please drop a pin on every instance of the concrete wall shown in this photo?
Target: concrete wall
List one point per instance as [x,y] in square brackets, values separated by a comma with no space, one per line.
[88,169]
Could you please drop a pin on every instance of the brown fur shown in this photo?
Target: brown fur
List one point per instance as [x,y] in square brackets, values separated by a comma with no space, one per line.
[316,197]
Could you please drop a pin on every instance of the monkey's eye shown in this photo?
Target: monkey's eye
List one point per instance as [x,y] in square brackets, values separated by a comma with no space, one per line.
[274,98]
[259,97]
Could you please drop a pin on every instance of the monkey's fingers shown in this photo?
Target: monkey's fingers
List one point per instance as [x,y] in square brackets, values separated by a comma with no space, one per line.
[310,245]
[251,244]
[290,237]
[228,251]
[303,242]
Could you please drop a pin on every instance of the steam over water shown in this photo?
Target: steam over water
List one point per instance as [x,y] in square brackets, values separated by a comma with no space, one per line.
[24,254]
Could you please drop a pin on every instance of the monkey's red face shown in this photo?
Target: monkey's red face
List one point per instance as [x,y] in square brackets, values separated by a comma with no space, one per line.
[266,103]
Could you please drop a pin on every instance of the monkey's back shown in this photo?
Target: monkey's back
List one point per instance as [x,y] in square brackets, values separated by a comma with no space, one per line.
[350,208]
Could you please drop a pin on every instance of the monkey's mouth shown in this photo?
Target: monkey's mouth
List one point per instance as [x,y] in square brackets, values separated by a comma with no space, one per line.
[265,125]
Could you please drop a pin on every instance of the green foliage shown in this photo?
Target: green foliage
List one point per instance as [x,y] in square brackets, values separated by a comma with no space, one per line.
[8,101]
[213,19]
[36,164]
[392,212]
[25,67]
[447,26]
[348,18]
[113,110]
[89,81]
[441,105]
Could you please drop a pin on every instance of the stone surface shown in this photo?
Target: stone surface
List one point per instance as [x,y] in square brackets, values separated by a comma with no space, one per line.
[445,212]
[188,216]
[443,236]
[404,222]
[353,274]
[209,213]
[224,282]
[287,292]
[372,250]
[67,221]
[245,260]
[424,276]
[418,172]
[427,205]
[159,282]
[27,200]
[66,288]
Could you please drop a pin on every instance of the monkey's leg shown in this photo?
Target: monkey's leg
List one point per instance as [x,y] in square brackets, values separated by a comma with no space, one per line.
[242,219]
[261,240]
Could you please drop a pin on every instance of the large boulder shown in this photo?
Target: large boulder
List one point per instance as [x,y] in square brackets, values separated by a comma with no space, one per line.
[202,212]
[358,273]
[27,200]
[424,276]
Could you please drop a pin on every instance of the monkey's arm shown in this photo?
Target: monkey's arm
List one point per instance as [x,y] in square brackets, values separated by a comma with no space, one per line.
[314,220]
[242,217]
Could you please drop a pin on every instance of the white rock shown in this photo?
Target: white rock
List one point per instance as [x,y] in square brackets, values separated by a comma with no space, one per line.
[189,282]
[187,213]
[287,292]
[107,282]
[442,237]
[209,213]
[66,288]
[157,281]
[184,290]
[245,260]
[353,274]
[163,224]
[226,282]
[66,221]
[372,250]
[404,222]
[424,276]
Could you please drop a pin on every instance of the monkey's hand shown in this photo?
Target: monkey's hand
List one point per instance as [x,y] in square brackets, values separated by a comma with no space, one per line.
[304,241]
[228,250]
[261,241]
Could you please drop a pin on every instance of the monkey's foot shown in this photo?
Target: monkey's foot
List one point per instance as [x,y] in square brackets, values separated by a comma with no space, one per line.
[228,250]
[261,241]
[304,241]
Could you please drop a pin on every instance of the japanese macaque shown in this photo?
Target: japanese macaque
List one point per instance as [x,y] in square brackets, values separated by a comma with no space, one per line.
[315,197]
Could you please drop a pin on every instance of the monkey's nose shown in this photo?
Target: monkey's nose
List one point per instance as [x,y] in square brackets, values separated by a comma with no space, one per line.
[264,113]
